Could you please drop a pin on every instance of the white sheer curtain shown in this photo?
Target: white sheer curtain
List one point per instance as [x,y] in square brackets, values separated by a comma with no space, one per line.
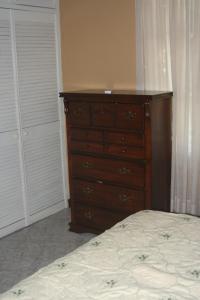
[168,57]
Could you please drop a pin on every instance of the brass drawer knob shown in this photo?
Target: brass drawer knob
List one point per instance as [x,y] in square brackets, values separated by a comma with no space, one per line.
[130,115]
[86,165]
[124,171]
[87,190]
[88,214]
[123,197]
[124,150]
[100,181]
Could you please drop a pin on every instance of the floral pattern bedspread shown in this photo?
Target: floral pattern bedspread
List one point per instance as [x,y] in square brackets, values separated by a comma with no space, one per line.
[148,256]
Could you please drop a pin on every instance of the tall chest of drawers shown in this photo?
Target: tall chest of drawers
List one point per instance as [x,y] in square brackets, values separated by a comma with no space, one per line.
[119,155]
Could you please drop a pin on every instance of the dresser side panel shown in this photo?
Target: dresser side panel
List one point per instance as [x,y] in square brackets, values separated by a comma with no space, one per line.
[161,153]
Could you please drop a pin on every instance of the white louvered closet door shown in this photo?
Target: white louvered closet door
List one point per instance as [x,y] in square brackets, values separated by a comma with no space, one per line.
[11,198]
[38,100]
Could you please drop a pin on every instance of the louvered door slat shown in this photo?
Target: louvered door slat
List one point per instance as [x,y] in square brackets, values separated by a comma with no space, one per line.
[40,3]
[43,167]
[8,120]
[11,203]
[37,75]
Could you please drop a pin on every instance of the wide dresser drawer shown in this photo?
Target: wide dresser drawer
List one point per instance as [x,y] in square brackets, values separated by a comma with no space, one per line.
[108,149]
[123,144]
[96,218]
[107,196]
[115,171]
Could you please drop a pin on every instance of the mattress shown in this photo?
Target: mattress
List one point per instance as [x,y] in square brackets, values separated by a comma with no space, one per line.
[148,256]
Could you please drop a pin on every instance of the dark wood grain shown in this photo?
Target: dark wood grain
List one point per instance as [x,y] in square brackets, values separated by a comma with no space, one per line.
[102,114]
[130,116]
[124,138]
[161,153]
[91,216]
[124,151]
[86,147]
[115,171]
[85,135]
[114,197]
[79,113]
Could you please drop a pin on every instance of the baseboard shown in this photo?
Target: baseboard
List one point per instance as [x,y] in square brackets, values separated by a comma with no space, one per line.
[47,212]
[34,218]
[12,228]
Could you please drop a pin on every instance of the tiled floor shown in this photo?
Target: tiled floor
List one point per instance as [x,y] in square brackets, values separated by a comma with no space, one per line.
[24,252]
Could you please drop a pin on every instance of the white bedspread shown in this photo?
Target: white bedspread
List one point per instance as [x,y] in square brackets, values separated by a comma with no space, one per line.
[148,256]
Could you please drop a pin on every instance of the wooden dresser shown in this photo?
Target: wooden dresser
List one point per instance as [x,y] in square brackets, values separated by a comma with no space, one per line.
[119,153]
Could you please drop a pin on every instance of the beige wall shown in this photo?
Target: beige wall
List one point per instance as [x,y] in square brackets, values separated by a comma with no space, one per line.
[98,44]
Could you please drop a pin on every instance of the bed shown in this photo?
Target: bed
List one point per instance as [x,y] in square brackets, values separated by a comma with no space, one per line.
[148,256]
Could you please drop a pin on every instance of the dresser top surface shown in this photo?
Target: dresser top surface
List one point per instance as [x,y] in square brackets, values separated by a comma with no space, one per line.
[139,93]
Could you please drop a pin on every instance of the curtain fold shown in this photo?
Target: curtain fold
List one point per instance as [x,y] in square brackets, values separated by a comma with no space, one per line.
[168,57]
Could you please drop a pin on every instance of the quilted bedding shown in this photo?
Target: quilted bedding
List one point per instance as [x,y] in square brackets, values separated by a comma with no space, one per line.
[148,256]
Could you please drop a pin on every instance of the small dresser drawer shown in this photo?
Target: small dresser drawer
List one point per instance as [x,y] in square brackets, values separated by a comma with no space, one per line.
[130,116]
[114,171]
[103,114]
[124,151]
[124,138]
[107,196]
[85,135]
[86,147]
[97,218]
[79,114]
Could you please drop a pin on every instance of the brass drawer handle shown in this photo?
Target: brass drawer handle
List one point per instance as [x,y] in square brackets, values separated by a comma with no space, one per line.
[124,150]
[86,165]
[88,214]
[123,197]
[100,181]
[130,115]
[87,190]
[124,171]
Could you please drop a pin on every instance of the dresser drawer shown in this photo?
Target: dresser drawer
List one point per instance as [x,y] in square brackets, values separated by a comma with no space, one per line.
[85,135]
[124,151]
[87,147]
[79,114]
[97,218]
[124,138]
[103,114]
[130,116]
[107,196]
[116,150]
[116,171]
